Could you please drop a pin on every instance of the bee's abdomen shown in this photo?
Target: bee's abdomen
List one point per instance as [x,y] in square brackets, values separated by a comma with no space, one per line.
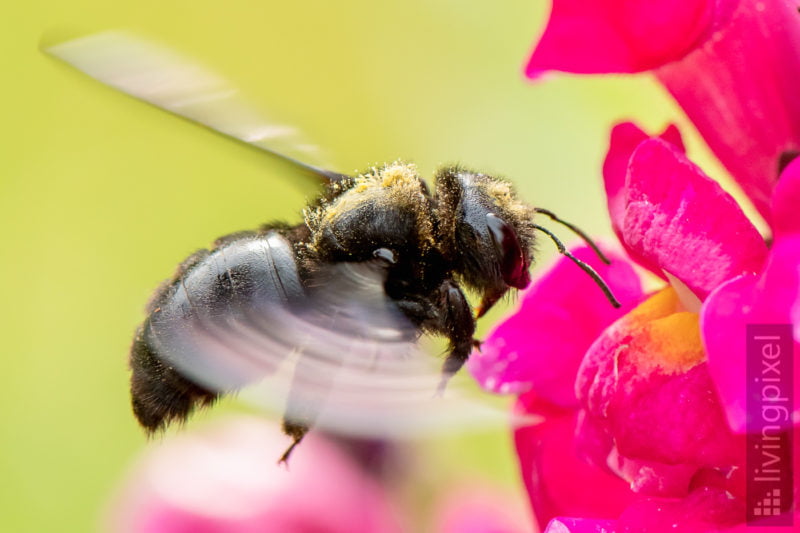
[187,352]
[159,394]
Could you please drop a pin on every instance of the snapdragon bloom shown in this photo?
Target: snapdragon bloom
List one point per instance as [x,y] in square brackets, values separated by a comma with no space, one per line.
[661,392]
[227,479]
[724,276]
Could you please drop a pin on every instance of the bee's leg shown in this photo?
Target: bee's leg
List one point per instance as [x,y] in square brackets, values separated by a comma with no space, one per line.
[445,312]
[459,326]
[297,421]
[295,431]
[307,395]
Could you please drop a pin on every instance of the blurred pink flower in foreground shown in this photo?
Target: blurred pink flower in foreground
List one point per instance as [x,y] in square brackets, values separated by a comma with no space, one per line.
[477,508]
[661,392]
[226,479]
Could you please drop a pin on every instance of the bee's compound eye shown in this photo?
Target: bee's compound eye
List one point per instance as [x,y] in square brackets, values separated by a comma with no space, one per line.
[386,254]
[509,252]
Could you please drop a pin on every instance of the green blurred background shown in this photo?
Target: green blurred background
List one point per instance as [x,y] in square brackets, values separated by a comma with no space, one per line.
[101,196]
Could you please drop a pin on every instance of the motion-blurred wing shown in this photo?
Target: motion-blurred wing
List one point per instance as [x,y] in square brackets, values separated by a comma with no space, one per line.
[336,354]
[167,80]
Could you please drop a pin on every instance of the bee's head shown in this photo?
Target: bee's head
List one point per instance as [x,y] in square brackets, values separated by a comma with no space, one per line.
[486,231]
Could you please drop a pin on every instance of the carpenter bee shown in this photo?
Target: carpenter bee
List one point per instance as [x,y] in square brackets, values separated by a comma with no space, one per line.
[334,306]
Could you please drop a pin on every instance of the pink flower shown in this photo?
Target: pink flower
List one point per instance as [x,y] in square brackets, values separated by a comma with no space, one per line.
[662,392]
[733,65]
[662,389]
[645,387]
[682,223]
[226,479]
[478,509]
[685,227]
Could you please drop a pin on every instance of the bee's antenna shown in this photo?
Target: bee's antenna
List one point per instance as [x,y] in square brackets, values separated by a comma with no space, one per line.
[585,267]
[575,229]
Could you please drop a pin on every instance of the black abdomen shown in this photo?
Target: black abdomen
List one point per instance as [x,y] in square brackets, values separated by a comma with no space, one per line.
[187,350]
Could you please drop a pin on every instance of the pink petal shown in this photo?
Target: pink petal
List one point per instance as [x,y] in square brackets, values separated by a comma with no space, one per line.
[704,510]
[481,509]
[618,36]
[580,525]
[652,478]
[644,380]
[558,480]
[759,526]
[766,299]
[227,478]
[732,480]
[648,478]
[722,319]
[786,201]
[541,345]
[762,527]
[625,137]
[739,87]
[676,217]
[595,443]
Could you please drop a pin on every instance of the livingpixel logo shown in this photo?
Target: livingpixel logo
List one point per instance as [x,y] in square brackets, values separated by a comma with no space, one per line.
[770,401]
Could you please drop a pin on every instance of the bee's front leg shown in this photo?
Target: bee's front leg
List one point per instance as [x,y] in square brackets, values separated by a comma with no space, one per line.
[458,325]
[445,312]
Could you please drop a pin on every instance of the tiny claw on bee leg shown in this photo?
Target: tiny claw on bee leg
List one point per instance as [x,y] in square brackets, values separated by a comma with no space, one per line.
[296,431]
[284,460]
[477,343]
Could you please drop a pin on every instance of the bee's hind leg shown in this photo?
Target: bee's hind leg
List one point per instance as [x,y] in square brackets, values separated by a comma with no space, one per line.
[296,432]
[307,395]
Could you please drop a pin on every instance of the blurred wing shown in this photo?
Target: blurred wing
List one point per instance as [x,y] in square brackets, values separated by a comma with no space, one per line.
[338,355]
[167,80]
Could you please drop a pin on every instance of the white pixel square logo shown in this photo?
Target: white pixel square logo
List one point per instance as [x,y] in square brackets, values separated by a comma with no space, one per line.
[770,505]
